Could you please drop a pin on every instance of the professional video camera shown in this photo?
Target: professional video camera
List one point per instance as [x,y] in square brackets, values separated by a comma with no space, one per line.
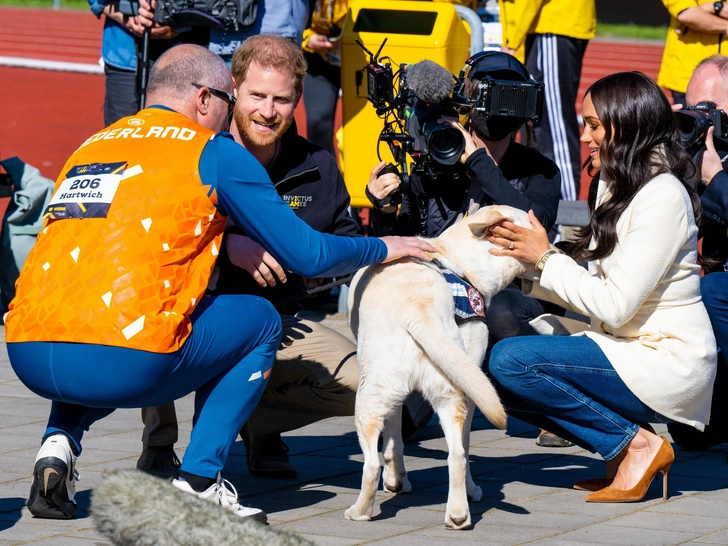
[413,99]
[227,14]
[694,122]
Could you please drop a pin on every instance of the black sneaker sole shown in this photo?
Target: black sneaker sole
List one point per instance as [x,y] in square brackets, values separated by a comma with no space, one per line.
[48,494]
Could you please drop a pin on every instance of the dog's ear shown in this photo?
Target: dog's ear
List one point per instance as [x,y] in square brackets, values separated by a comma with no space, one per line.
[486,219]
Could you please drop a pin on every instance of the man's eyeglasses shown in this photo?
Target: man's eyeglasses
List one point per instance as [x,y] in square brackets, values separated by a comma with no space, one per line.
[222,95]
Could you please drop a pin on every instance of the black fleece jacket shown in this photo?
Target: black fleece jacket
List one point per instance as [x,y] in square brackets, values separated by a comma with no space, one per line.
[525,179]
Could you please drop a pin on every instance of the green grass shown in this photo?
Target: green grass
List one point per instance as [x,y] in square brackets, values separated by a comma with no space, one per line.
[65,4]
[605,30]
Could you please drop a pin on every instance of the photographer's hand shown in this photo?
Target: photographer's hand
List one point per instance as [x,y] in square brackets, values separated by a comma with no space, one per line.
[145,18]
[249,255]
[381,186]
[319,43]
[470,145]
[710,163]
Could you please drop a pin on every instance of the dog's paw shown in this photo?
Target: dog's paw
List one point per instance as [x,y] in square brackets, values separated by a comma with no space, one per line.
[400,484]
[475,493]
[354,514]
[457,522]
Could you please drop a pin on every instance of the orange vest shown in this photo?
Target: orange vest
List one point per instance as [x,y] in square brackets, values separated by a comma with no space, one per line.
[130,240]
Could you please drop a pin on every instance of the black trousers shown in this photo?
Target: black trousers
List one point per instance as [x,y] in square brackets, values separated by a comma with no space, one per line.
[556,61]
[320,93]
[120,99]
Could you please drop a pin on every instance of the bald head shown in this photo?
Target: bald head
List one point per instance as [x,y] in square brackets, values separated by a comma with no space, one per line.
[172,76]
[709,82]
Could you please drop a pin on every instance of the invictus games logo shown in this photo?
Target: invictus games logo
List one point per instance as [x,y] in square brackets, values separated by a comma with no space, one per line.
[135,122]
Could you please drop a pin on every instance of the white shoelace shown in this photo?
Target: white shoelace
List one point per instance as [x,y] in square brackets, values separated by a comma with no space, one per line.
[225,492]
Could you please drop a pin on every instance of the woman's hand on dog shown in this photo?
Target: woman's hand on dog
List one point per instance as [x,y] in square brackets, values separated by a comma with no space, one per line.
[400,247]
[519,242]
[249,255]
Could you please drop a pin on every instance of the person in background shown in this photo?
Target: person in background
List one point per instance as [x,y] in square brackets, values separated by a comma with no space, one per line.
[697,31]
[286,18]
[552,36]
[323,79]
[493,169]
[121,51]
[709,82]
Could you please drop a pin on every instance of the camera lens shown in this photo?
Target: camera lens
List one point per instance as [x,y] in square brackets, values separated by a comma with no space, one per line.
[692,125]
[446,144]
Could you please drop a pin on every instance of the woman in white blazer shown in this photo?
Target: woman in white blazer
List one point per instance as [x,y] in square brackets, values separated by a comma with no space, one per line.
[649,351]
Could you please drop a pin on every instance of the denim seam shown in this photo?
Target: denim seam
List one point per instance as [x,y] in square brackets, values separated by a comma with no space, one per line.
[582,400]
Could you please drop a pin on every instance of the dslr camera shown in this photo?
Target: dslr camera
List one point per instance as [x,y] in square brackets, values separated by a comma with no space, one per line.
[413,99]
[693,125]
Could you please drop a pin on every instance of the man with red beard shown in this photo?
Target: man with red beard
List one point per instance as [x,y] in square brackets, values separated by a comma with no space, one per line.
[315,375]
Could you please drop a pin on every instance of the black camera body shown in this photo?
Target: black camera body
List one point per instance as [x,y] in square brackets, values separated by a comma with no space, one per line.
[510,98]
[223,14]
[693,125]
[380,83]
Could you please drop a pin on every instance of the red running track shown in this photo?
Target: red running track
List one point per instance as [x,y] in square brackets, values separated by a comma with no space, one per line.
[45,115]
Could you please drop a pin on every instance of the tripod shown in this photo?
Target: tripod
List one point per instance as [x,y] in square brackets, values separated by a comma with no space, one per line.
[131,8]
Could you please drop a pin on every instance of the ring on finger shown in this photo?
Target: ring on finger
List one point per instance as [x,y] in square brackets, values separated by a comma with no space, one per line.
[511,246]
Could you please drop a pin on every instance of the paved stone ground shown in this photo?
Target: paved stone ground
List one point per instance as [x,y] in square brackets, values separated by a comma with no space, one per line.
[527,489]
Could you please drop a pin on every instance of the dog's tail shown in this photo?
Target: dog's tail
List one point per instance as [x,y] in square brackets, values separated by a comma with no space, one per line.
[131,508]
[452,360]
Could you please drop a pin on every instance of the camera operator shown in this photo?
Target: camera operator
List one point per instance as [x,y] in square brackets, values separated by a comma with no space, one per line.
[709,82]
[494,170]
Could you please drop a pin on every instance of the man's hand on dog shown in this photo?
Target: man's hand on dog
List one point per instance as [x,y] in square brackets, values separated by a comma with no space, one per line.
[399,247]
[519,242]
[249,255]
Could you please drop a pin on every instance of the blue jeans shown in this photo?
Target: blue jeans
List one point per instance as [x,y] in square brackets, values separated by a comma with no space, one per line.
[714,290]
[227,360]
[566,385]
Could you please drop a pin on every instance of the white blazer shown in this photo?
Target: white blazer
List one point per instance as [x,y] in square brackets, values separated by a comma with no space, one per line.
[644,302]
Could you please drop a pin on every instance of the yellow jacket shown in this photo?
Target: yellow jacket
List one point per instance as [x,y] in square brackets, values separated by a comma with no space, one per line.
[683,52]
[572,18]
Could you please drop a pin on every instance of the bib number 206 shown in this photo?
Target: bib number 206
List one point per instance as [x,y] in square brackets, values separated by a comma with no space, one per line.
[92,183]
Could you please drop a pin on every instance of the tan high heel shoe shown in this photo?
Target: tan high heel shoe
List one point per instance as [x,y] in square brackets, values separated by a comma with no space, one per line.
[661,463]
[597,484]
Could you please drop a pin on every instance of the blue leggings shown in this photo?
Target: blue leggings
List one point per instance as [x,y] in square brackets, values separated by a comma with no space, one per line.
[227,360]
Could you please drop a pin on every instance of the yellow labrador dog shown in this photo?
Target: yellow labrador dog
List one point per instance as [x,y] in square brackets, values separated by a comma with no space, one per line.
[404,317]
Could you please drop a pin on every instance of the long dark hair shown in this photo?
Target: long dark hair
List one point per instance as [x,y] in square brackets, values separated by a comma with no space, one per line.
[641,141]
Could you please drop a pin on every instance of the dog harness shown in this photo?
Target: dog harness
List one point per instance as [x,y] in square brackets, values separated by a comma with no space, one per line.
[469,303]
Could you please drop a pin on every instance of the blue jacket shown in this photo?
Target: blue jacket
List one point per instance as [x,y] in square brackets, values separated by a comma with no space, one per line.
[117,45]
[285,18]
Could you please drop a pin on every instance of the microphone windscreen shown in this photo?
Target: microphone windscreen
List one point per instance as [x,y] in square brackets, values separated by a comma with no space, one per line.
[429,81]
[132,508]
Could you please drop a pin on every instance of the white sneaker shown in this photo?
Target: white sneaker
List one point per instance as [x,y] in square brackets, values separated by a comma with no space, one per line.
[54,480]
[223,494]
